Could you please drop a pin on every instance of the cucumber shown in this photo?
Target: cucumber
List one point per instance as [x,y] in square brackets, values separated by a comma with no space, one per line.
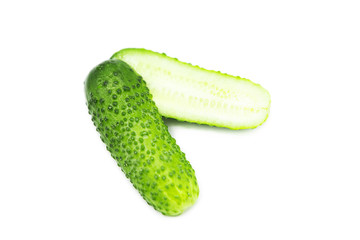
[190,93]
[130,125]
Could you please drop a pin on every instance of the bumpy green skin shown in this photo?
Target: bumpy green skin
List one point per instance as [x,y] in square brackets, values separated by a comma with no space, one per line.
[132,129]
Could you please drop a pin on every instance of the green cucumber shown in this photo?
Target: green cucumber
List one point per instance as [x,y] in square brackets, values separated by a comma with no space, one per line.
[130,125]
[190,93]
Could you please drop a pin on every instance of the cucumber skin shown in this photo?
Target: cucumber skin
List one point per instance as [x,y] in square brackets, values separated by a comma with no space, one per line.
[119,55]
[132,129]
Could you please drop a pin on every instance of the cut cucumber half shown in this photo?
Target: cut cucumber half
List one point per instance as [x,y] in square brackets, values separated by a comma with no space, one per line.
[190,93]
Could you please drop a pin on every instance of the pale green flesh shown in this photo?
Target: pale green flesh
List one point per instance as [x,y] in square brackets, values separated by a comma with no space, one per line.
[193,94]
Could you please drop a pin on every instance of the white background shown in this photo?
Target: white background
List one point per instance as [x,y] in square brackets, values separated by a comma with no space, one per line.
[295,177]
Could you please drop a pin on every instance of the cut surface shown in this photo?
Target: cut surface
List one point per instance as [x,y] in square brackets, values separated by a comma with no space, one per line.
[190,93]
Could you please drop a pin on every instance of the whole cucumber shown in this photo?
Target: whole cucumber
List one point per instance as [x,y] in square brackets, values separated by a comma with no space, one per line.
[130,125]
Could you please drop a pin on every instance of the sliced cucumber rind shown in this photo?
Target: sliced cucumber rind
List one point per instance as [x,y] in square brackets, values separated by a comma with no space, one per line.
[194,94]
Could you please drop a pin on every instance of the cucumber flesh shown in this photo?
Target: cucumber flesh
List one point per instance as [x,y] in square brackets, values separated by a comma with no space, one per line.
[190,93]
